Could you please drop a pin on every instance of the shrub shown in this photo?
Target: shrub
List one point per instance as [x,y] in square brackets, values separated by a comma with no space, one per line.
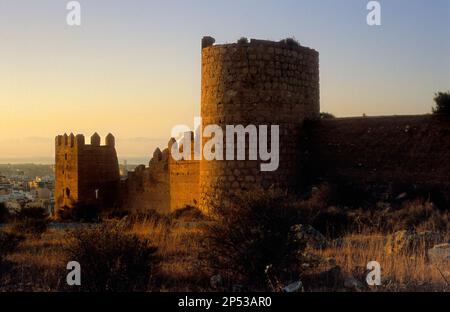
[4,213]
[252,233]
[242,40]
[325,115]
[112,260]
[420,215]
[442,100]
[187,214]
[333,222]
[32,221]
[80,213]
[150,216]
[291,42]
[8,244]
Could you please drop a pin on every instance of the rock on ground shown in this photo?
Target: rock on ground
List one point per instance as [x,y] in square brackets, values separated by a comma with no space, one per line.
[439,254]
[306,233]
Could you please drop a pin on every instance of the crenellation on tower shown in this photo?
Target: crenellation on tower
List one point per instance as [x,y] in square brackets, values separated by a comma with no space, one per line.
[58,140]
[79,140]
[110,140]
[95,139]
[71,140]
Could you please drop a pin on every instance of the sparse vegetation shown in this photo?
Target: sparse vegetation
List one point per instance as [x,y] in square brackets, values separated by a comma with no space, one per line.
[111,258]
[251,234]
[4,213]
[291,42]
[33,221]
[325,115]
[242,40]
[240,243]
[8,244]
[442,100]
[80,213]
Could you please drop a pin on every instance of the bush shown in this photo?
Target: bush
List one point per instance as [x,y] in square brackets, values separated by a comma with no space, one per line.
[242,40]
[112,260]
[442,100]
[4,213]
[8,244]
[254,232]
[80,213]
[419,215]
[32,221]
[187,214]
[291,42]
[325,115]
[333,222]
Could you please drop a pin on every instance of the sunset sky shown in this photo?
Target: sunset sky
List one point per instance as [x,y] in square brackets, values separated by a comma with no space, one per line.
[133,67]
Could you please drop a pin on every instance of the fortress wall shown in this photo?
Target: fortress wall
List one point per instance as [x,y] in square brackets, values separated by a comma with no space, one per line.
[184,182]
[164,186]
[382,153]
[148,188]
[260,83]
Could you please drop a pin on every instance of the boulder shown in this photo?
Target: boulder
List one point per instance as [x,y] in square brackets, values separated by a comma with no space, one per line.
[352,284]
[308,235]
[322,277]
[440,254]
[216,282]
[293,287]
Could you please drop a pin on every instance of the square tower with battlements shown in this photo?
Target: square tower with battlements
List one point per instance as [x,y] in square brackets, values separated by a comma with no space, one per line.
[86,175]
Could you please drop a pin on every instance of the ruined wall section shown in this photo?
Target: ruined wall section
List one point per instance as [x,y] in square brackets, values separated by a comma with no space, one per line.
[164,186]
[184,181]
[260,83]
[148,188]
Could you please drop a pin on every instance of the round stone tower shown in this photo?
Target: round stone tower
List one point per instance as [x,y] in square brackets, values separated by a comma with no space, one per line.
[256,83]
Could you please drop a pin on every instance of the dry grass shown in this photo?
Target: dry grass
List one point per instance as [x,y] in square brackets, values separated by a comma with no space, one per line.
[179,245]
[38,264]
[400,272]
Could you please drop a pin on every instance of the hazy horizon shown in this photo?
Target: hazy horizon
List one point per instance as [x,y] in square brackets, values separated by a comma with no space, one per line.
[131,161]
[133,69]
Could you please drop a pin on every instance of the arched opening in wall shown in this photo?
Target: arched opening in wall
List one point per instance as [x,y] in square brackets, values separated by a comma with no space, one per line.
[67,192]
[65,156]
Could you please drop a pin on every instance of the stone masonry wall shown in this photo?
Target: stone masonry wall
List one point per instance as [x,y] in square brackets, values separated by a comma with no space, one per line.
[382,156]
[148,188]
[165,185]
[85,174]
[184,181]
[259,83]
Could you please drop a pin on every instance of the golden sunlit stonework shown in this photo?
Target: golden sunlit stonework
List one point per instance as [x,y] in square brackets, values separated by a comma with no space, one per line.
[256,82]
[269,83]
